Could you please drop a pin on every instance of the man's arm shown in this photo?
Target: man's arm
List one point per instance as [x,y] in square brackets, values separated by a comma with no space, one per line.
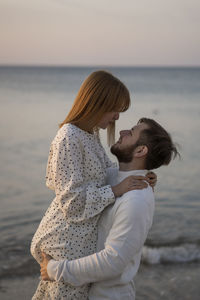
[125,239]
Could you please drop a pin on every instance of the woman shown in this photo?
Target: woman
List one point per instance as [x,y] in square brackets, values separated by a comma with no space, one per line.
[76,171]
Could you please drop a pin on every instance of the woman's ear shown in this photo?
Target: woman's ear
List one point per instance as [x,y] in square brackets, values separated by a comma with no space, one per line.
[140,151]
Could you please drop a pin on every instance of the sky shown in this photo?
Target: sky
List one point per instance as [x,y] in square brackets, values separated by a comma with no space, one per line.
[104,32]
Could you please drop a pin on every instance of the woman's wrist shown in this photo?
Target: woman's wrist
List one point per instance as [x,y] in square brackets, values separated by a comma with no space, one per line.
[116,190]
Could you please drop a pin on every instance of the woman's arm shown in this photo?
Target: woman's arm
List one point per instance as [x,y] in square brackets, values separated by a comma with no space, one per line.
[79,200]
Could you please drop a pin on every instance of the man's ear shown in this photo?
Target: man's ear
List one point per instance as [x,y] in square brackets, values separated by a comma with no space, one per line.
[140,151]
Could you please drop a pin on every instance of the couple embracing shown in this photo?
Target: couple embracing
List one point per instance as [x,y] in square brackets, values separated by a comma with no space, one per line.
[90,240]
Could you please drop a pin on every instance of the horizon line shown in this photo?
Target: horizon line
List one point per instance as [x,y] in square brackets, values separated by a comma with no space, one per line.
[98,65]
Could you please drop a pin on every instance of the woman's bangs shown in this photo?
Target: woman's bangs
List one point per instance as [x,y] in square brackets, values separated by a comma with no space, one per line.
[122,103]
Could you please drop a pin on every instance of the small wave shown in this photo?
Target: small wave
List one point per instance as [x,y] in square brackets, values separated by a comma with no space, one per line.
[184,253]
[26,266]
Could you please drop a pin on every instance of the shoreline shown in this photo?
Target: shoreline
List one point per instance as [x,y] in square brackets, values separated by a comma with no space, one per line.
[155,282]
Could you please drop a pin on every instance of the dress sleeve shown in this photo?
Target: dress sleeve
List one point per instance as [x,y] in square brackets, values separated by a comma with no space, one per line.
[126,238]
[79,200]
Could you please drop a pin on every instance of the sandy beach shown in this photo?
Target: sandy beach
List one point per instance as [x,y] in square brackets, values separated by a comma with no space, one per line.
[152,283]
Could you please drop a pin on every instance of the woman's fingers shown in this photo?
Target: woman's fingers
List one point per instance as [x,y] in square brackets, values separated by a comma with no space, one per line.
[137,184]
[152,179]
[129,183]
[151,176]
[137,177]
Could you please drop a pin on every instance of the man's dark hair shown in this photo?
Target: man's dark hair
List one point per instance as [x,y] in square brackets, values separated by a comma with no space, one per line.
[161,149]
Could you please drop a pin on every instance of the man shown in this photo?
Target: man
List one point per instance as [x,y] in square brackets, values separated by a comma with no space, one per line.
[123,226]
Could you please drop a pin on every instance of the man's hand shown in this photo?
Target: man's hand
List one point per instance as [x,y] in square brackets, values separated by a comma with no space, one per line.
[43,266]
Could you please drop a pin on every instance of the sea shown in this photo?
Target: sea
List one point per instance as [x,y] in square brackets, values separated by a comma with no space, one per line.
[34,100]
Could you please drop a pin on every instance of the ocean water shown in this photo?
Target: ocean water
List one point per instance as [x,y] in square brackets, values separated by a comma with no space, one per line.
[33,100]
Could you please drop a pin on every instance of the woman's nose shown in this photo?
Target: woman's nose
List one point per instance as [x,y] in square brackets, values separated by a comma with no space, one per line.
[116,116]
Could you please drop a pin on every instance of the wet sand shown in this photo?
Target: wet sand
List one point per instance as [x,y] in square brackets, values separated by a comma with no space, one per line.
[18,288]
[167,282]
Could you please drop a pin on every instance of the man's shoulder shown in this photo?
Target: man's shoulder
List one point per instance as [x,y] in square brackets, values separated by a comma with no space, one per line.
[136,198]
[143,193]
[133,204]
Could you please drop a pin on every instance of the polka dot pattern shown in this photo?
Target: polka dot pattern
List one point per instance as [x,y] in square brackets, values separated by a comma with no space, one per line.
[76,171]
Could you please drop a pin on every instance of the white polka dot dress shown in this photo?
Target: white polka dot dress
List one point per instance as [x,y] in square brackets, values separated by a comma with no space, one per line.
[76,171]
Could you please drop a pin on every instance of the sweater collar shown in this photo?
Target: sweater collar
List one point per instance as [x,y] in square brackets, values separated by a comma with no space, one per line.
[123,174]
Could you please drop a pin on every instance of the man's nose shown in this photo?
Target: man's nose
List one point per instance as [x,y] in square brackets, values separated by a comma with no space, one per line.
[123,132]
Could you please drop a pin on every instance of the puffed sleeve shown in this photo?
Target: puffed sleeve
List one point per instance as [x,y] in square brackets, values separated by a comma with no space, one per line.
[79,200]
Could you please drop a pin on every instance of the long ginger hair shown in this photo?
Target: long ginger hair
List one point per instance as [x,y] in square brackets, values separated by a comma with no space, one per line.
[101,92]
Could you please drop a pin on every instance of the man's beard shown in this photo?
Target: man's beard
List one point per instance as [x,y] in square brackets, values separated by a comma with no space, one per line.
[123,155]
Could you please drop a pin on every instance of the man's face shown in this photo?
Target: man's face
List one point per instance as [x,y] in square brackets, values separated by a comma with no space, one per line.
[126,144]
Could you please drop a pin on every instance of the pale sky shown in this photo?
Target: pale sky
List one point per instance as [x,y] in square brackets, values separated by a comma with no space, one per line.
[104,32]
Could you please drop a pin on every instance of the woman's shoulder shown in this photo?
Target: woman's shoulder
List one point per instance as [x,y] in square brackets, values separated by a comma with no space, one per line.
[68,130]
[71,132]
[64,133]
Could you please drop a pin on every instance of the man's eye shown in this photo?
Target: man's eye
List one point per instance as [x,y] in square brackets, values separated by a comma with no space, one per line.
[132,130]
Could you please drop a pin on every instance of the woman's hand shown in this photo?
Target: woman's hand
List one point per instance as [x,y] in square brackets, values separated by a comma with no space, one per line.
[152,179]
[128,184]
[43,266]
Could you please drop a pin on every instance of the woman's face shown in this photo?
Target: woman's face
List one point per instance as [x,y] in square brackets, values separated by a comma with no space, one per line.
[108,117]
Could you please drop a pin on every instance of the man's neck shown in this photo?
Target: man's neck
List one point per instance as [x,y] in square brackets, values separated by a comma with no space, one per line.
[133,165]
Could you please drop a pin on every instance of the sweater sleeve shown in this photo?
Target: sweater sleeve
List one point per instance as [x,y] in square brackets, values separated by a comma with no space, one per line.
[126,238]
[79,200]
